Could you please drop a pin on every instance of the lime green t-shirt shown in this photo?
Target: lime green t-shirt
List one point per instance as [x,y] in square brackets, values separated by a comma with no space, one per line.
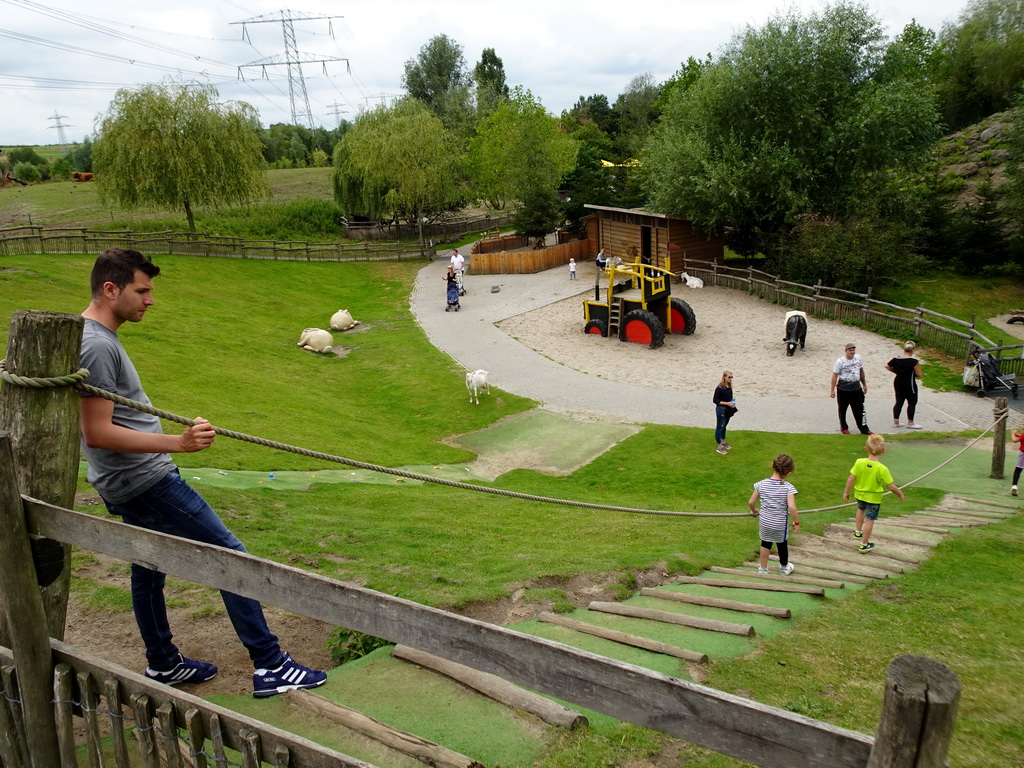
[872,479]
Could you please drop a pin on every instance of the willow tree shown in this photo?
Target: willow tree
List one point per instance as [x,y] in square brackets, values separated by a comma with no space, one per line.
[175,145]
[398,161]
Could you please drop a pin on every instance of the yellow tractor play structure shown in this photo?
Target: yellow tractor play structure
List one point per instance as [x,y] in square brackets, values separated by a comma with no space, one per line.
[638,306]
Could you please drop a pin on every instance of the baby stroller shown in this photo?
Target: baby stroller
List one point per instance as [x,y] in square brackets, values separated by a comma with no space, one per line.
[453,295]
[983,372]
[459,280]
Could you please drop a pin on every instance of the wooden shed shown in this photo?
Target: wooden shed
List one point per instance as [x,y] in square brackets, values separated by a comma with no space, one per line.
[657,238]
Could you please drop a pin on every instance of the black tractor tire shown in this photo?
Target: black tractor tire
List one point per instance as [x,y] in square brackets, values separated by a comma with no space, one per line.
[641,326]
[596,327]
[681,311]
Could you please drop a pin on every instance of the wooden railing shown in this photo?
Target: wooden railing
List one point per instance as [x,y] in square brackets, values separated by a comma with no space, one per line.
[18,241]
[528,262]
[917,719]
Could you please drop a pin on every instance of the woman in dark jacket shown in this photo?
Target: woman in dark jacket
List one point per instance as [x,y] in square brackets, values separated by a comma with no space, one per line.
[725,407]
[908,370]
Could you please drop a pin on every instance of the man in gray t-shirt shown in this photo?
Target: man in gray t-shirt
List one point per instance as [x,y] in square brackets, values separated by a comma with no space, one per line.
[129,466]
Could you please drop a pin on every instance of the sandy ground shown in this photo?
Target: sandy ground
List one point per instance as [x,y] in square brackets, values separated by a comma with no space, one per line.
[735,331]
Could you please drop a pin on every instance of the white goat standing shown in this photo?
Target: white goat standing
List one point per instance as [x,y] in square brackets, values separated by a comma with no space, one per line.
[476,382]
[692,282]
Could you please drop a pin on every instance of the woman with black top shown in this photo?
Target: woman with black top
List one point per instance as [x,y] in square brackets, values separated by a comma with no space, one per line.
[725,407]
[908,371]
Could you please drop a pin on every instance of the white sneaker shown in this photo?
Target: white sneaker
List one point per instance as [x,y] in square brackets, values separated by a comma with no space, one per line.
[762,570]
[721,450]
[787,569]
[1013,490]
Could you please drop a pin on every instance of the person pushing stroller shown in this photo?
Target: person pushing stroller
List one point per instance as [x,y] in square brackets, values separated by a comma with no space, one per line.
[452,279]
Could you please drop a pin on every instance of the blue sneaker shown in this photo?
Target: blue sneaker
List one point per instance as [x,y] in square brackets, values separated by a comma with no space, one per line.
[288,677]
[186,671]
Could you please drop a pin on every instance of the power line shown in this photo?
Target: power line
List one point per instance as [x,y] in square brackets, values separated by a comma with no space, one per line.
[293,61]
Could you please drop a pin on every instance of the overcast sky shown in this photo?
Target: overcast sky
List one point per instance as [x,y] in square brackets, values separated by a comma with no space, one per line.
[62,61]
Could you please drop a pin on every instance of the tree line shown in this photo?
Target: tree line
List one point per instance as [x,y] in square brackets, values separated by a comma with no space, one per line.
[809,140]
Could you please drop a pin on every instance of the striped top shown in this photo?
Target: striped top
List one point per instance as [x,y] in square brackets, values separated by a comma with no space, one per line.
[773,519]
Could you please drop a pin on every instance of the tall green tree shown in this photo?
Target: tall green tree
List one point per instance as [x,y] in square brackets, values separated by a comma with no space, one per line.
[636,114]
[761,136]
[439,77]
[983,61]
[595,109]
[519,152]
[398,161]
[491,88]
[176,145]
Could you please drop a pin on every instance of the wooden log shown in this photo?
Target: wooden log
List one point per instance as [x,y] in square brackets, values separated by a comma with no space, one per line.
[63,705]
[13,749]
[679,708]
[625,638]
[999,411]
[495,687]
[945,521]
[170,747]
[806,567]
[716,602]
[196,737]
[918,715]
[282,757]
[23,613]
[972,513]
[251,757]
[90,713]
[763,586]
[112,695]
[44,432]
[406,743]
[827,583]
[144,731]
[669,617]
[906,524]
[844,530]
[989,503]
[851,557]
[217,740]
[826,559]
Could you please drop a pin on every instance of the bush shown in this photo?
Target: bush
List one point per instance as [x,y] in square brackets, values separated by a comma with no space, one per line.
[27,172]
[25,155]
[61,169]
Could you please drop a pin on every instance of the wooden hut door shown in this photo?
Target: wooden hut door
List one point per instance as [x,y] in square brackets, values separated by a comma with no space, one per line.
[645,245]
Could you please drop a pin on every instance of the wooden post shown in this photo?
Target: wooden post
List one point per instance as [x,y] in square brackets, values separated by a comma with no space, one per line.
[918,715]
[23,614]
[43,424]
[999,414]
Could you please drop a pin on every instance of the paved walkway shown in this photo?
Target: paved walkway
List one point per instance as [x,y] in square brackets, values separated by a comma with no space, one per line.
[472,339]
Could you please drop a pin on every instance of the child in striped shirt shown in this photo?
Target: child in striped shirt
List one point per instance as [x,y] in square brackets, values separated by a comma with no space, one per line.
[778,502]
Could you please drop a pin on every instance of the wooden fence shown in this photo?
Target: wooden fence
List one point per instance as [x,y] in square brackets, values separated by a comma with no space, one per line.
[916,722]
[860,309]
[17,241]
[441,231]
[528,262]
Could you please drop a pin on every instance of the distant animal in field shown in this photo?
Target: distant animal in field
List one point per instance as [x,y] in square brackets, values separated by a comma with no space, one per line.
[476,382]
[316,340]
[80,176]
[691,282]
[796,331]
[342,320]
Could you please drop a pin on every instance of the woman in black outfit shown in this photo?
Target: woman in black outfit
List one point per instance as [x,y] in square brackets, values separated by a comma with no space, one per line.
[725,407]
[908,371]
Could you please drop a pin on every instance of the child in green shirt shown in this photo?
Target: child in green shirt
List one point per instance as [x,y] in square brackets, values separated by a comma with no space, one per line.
[872,478]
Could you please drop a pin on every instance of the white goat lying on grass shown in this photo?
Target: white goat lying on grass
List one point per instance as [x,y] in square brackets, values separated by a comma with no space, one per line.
[692,282]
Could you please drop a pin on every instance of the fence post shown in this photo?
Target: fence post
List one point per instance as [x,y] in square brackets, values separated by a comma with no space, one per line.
[44,432]
[999,414]
[918,715]
[24,616]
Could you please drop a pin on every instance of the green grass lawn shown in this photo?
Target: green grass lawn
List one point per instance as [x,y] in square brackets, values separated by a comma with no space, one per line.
[220,342]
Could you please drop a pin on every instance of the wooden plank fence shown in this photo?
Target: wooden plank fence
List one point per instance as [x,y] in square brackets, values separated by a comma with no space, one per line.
[529,262]
[916,723]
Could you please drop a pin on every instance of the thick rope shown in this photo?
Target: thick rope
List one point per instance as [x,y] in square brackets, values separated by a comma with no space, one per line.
[76,380]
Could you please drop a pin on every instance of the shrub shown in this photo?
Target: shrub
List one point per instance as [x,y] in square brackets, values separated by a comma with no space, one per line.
[26,172]
[61,169]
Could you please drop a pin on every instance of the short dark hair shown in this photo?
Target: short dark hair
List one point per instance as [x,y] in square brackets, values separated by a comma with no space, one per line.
[118,266]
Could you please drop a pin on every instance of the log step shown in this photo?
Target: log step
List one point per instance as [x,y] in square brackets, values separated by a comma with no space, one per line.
[652,614]
[827,583]
[845,531]
[716,602]
[981,514]
[850,556]
[806,567]
[817,559]
[623,637]
[764,586]
[494,687]
[984,502]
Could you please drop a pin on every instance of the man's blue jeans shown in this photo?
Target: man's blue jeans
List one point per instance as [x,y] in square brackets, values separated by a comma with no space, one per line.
[173,507]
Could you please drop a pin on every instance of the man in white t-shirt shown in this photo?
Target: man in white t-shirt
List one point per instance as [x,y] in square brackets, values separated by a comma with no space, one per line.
[458,262]
[849,385]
